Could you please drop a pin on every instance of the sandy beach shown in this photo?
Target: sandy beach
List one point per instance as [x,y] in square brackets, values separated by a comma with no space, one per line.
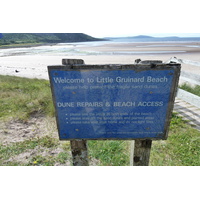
[34,65]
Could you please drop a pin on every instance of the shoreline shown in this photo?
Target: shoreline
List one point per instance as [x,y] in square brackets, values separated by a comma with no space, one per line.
[26,45]
[34,65]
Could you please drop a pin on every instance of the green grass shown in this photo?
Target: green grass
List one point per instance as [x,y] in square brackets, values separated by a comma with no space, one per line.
[20,45]
[111,152]
[42,144]
[180,149]
[194,90]
[22,97]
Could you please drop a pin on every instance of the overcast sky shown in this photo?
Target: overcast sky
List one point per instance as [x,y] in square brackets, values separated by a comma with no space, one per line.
[111,34]
[102,18]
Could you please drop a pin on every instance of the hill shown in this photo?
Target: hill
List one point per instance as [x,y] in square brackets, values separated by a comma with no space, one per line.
[141,37]
[146,38]
[24,38]
[131,37]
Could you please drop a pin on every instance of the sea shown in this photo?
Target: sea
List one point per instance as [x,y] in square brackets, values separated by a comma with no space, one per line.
[73,49]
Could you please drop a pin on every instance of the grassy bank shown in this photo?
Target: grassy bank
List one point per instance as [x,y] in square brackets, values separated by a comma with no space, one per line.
[180,149]
[21,98]
[194,90]
[7,46]
[34,38]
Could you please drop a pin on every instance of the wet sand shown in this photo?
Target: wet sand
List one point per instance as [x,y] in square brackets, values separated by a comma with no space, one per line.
[35,66]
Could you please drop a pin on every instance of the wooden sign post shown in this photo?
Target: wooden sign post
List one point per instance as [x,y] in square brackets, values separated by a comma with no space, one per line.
[141,153]
[113,102]
[78,147]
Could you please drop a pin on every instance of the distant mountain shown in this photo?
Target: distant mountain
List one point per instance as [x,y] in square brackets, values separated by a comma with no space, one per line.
[24,38]
[131,37]
[141,37]
[146,38]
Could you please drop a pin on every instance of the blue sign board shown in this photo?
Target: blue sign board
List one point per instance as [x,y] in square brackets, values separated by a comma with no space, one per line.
[112,104]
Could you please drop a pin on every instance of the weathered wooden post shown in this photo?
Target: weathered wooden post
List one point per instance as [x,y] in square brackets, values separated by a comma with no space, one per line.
[79,152]
[78,147]
[142,152]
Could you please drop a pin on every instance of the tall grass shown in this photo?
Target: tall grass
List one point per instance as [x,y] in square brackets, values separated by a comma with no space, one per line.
[180,149]
[21,97]
[111,152]
[194,90]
